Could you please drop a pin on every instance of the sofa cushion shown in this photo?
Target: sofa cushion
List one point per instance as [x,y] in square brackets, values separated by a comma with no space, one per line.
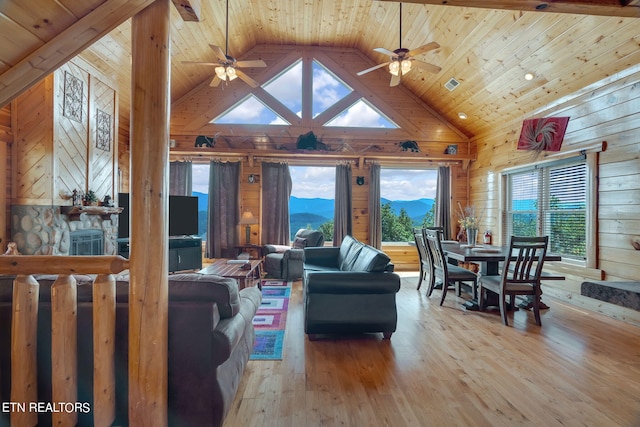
[185,287]
[349,251]
[299,243]
[371,259]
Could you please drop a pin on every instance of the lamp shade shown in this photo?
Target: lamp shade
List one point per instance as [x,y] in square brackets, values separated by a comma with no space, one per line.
[221,73]
[248,218]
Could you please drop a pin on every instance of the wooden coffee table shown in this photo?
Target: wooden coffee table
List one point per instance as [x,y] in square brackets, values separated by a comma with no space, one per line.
[246,277]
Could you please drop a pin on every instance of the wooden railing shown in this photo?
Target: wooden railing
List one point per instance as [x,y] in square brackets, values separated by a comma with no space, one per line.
[63,334]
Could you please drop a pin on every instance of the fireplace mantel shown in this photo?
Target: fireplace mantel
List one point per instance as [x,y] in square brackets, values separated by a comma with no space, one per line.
[74,212]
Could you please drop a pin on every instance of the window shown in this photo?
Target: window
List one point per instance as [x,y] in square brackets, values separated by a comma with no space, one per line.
[312,200]
[286,87]
[200,189]
[362,114]
[551,200]
[407,198]
[327,90]
[250,110]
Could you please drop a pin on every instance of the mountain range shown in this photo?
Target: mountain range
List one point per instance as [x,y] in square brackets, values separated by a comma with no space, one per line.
[313,212]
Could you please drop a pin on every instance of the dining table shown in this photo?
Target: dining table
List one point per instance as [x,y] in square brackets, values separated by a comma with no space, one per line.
[488,257]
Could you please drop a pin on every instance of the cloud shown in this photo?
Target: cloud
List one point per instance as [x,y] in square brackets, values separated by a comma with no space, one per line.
[403,184]
[311,182]
[200,178]
[283,87]
[361,114]
[251,111]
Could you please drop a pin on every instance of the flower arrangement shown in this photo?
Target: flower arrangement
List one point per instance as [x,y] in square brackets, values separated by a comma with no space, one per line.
[468,219]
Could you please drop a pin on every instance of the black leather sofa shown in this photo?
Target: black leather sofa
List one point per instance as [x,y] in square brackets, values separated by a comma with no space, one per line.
[349,289]
[211,337]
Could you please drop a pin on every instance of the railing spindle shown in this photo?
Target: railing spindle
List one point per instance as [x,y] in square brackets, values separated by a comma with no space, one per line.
[64,344]
[24,368]
[104,333]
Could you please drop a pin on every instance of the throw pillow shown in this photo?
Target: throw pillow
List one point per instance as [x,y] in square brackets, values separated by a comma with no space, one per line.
[299,243]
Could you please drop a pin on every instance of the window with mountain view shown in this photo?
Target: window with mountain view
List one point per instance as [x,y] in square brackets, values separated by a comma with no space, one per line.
[312,200]
[407,201]
[551,201]
[200,189]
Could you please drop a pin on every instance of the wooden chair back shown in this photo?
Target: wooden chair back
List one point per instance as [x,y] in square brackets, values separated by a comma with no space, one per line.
[526,260]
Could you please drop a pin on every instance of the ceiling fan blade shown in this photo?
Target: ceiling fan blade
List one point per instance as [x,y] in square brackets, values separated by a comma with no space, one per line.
[248,80]
[219,53]
[199,63]
[423,49]
[395,80]
[385,51]
[215,82]
[427,67]
[251,63]
[368,70]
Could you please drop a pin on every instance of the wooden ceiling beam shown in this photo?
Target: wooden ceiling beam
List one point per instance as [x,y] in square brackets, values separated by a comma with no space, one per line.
[622,8]
[189,10]
[67,44]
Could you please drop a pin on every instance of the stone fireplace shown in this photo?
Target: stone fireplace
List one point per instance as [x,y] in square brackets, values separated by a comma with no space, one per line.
[46,230]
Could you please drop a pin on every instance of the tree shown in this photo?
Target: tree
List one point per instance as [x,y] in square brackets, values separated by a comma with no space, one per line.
[326,228]
[429,219]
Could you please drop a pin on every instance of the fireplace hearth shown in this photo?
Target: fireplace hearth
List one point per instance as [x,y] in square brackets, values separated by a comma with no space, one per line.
[45,230]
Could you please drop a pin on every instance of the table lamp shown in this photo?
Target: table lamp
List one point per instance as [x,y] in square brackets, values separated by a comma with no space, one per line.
[248,219]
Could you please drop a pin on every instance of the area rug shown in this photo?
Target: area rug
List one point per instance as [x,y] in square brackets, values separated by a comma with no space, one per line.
[270,320]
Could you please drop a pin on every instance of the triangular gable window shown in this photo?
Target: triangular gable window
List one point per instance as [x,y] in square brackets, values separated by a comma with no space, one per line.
[361,114]
[327,88]
[286,87]
[250,111]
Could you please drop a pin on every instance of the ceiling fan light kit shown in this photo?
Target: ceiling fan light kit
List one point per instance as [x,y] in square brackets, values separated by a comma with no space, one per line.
[401,60]
[226,69]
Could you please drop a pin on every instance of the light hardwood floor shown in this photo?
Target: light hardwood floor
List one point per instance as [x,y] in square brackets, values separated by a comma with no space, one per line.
[447,367]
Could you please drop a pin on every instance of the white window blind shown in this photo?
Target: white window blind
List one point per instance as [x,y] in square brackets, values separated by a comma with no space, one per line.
[550,200]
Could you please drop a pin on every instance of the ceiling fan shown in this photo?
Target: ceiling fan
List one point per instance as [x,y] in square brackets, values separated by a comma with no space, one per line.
[226,68]
[402,59]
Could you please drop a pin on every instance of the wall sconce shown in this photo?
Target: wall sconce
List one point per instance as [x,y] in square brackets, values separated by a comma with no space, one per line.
[360,180]
[248,219]
[253,179]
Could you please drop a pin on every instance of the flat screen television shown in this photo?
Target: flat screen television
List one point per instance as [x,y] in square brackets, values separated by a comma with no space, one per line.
[183,215]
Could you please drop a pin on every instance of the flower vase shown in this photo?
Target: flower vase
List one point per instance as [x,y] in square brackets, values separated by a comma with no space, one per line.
[472,235]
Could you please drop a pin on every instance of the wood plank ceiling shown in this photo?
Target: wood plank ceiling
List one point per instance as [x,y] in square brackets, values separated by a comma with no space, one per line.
[487,50]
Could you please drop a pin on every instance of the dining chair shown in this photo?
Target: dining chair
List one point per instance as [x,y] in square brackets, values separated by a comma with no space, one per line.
[451,275]
[520,275]
[424,256]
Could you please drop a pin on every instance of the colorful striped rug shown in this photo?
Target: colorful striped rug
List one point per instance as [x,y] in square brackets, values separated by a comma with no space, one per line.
[270,320]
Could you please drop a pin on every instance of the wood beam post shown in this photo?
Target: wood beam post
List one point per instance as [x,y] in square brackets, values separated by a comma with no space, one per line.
[148,307]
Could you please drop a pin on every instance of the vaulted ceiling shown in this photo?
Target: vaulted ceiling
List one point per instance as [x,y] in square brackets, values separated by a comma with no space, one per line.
[488,51]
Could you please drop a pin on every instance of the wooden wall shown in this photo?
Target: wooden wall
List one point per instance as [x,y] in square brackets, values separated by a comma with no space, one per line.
[54,154]
[607,111]
[6,139]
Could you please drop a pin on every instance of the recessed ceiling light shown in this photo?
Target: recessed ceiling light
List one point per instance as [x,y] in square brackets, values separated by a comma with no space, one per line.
[528,76]
[462,115]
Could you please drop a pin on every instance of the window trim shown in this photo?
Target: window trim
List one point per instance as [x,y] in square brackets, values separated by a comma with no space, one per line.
[591,210]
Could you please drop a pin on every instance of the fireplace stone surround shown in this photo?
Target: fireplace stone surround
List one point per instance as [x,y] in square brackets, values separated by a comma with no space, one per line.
[44,230]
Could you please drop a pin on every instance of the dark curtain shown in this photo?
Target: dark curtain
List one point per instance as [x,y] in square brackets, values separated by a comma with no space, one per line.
[375,220]
[224,210]
[443,201]
[276,191]
[342,214]
[180,178]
